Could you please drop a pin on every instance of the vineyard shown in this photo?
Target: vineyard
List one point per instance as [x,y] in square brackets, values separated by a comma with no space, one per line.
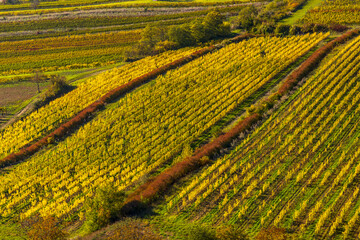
[47,118]
[64,53]
[156,116]
[298,170]
[335,12]
[194,119]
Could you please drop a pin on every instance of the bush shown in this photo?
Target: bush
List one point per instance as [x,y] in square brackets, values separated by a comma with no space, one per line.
[181,36]
[131,229]
[58,85]
[282,30]
[230,233]
[271,233]
[295,30]
[200,232]
[46,228]
[266,28]
[103,209]
[338,28]
[246,18]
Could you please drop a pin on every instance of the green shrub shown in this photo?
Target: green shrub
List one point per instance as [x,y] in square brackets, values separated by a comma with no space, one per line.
[104,208]
[201,232]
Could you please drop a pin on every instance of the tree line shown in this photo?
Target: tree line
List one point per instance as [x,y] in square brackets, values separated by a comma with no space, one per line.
[156,39]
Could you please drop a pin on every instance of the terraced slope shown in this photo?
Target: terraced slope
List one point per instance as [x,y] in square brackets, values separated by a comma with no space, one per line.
[146,128]
[49,117]
[299,170]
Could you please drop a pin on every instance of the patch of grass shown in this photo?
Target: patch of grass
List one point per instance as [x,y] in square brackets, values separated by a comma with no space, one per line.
[12,232]
[301,12]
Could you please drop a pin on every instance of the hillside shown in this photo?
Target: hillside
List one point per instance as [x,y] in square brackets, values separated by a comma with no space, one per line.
[215,121]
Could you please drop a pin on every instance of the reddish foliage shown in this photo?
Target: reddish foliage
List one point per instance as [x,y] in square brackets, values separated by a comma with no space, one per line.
[153,187]
[63,129]
[312,62]
[338,27]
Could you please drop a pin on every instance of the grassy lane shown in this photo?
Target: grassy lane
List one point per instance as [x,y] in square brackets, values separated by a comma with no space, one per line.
[302,11]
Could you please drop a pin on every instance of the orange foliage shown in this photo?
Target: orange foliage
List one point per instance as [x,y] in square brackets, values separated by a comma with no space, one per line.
[86,112]
[312,62]
[149,190]
[271,233]
[45,229]
[134,230]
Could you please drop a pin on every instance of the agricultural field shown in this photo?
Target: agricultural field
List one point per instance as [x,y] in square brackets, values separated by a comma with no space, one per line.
[335,12]
[152,115]
[298,170]
[64,53]
[200,119]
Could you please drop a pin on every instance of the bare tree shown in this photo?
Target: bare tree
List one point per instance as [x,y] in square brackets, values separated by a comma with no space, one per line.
[34,4]
[38,78]
[3,111]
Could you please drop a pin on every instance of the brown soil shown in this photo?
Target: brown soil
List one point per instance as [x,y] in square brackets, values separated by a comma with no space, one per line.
[14,94]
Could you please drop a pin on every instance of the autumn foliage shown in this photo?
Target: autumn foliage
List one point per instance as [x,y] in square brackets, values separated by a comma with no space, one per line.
[45,229]
[89,110]
[312,62]
[132,229]
[153,187]
[148,191]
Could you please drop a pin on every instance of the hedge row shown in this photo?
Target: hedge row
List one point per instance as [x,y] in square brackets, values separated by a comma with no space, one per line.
[152,188]
[304,69]
[82,116]
[312,62]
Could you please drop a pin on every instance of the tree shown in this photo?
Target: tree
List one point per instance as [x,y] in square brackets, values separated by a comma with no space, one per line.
[104,208]
[282,30]
[295,30]
[213,24]
[151,35]
[266,28]
[198,31]
[46,229]
[38,78]
[247,17]
[181,36]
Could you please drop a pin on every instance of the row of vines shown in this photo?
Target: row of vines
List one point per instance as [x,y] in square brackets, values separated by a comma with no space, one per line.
[101,21]
[145,128]
[63,53]
[299,170]
[47,118]
[335,12]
